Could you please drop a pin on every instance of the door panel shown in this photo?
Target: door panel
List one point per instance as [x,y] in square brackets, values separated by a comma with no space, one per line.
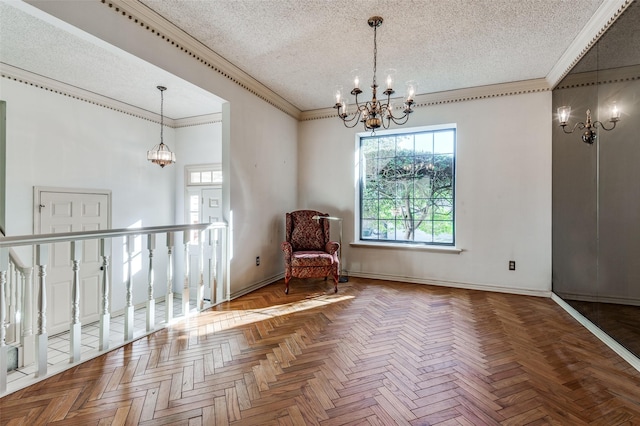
[72,212]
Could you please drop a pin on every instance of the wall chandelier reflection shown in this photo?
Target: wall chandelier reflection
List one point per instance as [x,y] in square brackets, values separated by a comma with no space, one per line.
[589,135]
[374,113]
[161,154]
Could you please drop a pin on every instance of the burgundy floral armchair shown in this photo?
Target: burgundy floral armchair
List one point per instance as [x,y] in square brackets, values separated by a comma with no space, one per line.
[307,251]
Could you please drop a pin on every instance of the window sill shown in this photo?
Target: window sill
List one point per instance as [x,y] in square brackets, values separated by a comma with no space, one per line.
[419,247]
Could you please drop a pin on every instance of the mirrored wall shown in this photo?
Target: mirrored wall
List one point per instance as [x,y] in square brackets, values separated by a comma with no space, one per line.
[596,185]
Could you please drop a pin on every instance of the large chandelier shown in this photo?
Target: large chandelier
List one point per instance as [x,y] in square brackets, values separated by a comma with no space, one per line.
[161,154]
[374,113]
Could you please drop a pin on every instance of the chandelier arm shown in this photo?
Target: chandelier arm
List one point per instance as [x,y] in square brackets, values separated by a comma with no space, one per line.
[579,125]
[595,125]
[400,120]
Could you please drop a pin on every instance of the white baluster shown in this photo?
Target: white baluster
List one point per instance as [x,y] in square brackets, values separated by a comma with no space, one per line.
[75,328]
[129,309]
[42,258]
[185,289]
[168,301]
[224,267]
[10,303]
[27,338]
[200,292]
[105,317]
[213,262]
[4,266]
[17,315]
[151,307]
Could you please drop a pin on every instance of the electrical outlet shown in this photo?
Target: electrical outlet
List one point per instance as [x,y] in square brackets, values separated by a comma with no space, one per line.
[512,265]
[257,260]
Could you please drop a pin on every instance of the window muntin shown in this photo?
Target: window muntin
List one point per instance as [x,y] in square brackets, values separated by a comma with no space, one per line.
[407,187]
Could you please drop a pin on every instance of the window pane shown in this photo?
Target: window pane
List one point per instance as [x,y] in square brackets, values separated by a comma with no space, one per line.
[195,177]
[194,203]
[216,176]
[424,143]
[206,177]
[193,218]
[407,187]
[443,142]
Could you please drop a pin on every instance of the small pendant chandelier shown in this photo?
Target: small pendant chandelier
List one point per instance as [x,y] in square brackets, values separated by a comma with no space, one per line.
[161,154]
[374,113]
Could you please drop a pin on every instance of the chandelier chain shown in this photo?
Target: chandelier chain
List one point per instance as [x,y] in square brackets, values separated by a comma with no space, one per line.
[375,53]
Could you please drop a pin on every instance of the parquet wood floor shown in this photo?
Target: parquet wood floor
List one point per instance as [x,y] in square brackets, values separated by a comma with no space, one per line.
[375,353]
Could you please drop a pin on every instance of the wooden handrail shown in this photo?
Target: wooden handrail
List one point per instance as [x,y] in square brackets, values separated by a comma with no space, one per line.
[28,240]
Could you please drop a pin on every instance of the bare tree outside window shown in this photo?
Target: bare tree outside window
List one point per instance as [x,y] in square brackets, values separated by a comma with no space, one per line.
[407,187]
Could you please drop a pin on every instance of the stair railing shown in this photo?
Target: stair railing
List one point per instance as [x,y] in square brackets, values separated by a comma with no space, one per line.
[18,283]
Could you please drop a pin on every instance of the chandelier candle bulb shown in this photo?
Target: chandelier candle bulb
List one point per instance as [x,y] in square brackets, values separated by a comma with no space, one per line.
[615,113]
[338,94]
[411,91]
[563,114]
[389,80]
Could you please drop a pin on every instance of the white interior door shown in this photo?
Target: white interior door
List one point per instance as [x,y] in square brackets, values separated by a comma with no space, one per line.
[72,212]
[212,212]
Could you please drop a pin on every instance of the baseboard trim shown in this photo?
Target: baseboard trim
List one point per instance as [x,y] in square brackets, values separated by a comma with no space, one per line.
[257,285]
[455,284]
[604,337]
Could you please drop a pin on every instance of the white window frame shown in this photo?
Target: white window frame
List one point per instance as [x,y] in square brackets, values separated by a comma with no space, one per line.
[357,242]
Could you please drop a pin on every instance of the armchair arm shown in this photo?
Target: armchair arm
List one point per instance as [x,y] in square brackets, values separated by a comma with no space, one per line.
[288,253]
[286,248]
[331,247]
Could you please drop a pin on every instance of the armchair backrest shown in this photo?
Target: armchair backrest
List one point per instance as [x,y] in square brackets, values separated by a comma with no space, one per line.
[306,233]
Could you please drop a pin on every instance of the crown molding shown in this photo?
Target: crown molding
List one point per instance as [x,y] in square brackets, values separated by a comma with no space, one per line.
[138,13]
[199,120]
[35,80]
[604,17]
[453,96]
[600,77]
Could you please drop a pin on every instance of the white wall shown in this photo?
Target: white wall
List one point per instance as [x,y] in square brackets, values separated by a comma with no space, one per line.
[503,195]
[194,145]
[57,141]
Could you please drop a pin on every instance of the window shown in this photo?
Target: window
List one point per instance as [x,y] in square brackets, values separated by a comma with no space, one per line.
[204,175]
[407,187]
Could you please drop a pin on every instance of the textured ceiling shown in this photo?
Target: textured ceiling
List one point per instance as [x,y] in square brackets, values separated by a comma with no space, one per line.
[34,41]
[303,49]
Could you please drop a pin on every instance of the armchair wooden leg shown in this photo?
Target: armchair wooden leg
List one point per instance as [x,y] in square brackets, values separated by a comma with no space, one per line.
[286,284]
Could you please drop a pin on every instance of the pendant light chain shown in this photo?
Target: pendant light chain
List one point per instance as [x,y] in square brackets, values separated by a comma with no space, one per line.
[162,116]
